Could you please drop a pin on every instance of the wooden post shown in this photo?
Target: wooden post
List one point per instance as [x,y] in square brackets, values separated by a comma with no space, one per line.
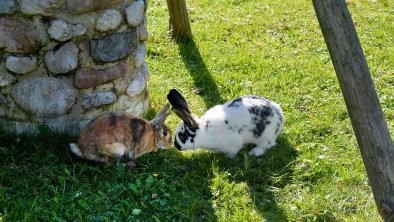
[361,100]
[179,20]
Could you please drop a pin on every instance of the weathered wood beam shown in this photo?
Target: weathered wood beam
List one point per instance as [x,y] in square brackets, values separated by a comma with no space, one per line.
[179,20]
[361,100]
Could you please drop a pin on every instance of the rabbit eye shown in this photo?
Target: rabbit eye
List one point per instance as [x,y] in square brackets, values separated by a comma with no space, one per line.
[165,132]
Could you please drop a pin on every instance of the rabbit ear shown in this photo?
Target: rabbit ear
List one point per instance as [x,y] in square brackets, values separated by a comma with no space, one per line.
[181,108]
[177,100]
[189,119]
[161,116]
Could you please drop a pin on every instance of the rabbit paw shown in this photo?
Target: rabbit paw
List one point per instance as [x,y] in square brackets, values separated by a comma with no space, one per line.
[257,151]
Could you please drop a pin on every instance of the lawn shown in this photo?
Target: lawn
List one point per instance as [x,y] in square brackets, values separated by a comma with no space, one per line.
[240,47]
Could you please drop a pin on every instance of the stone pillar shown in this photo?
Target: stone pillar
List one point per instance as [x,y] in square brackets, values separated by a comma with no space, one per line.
[63,62]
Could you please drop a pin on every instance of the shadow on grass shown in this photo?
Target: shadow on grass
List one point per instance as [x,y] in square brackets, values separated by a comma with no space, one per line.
[199,72]
[168,185]
[41,180]
[264,175]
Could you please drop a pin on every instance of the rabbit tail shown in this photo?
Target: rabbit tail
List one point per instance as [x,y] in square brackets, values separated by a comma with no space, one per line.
[75,149]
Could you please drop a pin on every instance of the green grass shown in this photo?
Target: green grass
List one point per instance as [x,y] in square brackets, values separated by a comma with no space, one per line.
[270,48]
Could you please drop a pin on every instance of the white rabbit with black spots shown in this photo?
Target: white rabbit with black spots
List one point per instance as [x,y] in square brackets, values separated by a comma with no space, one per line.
[228,127]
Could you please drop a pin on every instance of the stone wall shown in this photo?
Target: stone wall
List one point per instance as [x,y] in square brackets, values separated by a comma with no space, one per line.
[63,62]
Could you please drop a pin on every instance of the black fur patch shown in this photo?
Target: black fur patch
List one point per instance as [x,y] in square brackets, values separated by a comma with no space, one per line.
[112,118]
[254,97]
[177,145]
[191,137]
[235,103]
[192,130]
[235,128]
[186,135]
[183,136]
[280,116]
[138,128]
[259,119]
[177,100]
[277,129]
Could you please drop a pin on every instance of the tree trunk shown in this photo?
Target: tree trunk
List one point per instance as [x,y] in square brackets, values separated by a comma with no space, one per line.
[361,100]
[179,19]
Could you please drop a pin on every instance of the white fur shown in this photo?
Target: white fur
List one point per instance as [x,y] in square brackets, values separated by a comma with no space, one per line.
[75,149]
[213,133]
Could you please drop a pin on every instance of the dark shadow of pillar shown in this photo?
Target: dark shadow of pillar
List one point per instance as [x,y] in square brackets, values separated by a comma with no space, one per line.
[203,80]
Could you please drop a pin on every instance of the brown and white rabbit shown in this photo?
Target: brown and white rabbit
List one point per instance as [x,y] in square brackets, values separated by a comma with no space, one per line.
[116,135]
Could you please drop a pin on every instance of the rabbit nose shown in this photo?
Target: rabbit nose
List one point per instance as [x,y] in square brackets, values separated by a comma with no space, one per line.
[177,145]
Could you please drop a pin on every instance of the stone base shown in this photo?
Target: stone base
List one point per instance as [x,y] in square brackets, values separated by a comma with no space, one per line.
[72,125]
[63,63]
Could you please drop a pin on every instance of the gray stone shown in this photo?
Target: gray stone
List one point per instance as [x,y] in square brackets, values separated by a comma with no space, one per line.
[3,105]
[135,12]
[83,123]
[62,31]
[83,6]
[109,20]
[7,6]
[44,96]
[6,79]
[61,125]
[3,100]
[136,105]
[137,86]
[121,84]
[142,30]
[17,37]
[140,55]
[64,60]
[98,99]
[89,114]
[113,47]
[17,127]
[21,65]
[11,110]
[145,71]
[40,7]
